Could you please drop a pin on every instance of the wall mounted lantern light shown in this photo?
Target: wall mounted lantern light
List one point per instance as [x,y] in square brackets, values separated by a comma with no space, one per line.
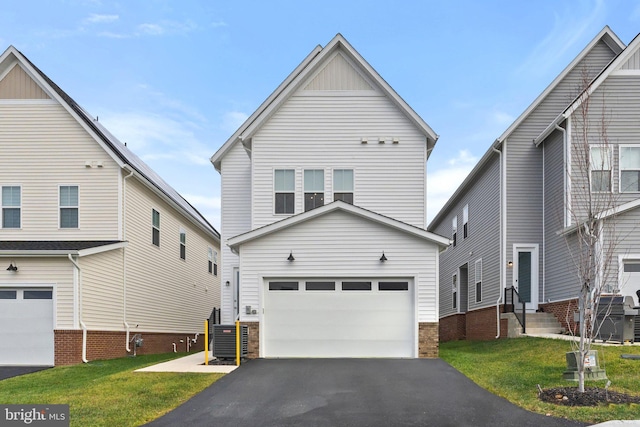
[383,258]
[12,267]
[290,257]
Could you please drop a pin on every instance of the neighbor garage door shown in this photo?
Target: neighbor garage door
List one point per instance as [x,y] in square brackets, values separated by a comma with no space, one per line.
[339,318]
[26,326]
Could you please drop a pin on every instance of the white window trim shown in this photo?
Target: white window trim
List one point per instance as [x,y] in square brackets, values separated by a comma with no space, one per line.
[475,274]
[182,232]
[465,220]
[454,230]
[153,227]
[610,150]
[620,147]
[455,298]
[2,207]
[353,182]
[273,190]
[60,207]
[304,190]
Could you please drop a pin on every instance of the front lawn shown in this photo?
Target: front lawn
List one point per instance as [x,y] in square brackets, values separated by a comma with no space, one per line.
[513,368]
[108,392]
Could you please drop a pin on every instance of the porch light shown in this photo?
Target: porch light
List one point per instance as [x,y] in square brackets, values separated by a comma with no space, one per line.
[290,257]
[383,258]
[227,283]
[510,264]
[12,267]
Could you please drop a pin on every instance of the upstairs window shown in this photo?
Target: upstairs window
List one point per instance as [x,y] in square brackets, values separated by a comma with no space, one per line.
[183,244]
[313,189]
[454,291]
[11,207]
[343,185]
[465,222]
[213,262]
[454,229]
[155,227]
[600,169]
[630,169]
[68,206]
[284,187]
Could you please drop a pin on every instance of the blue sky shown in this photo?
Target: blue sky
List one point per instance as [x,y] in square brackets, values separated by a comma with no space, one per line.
[174,79]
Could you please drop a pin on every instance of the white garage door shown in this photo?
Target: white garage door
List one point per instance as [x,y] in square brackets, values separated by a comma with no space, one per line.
[26,326]
[339,318]
[630,285]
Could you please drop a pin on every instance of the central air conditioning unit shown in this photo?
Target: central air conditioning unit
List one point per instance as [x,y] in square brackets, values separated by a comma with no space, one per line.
[224,341]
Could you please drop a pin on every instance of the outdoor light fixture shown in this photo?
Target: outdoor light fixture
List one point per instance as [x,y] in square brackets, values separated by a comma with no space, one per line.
[383,258]
[227,283]
[510,264]
[290,257]
[12,267]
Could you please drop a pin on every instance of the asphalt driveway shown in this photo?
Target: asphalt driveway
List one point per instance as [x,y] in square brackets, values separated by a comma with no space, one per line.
[349,392]
[14,371]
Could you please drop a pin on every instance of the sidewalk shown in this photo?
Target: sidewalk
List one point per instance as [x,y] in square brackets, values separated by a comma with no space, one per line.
[192,363]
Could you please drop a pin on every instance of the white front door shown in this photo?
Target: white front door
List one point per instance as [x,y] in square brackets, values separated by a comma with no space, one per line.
[339,318]
[525,274]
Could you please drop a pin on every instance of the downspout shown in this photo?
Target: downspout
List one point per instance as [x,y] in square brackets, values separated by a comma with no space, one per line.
[82,325]
[564,215]
[501,251]
[124,261]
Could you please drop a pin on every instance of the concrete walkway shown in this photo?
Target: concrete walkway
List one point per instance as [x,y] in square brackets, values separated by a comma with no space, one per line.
[192,363]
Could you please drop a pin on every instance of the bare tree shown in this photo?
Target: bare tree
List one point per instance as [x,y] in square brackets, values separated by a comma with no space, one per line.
[591,206]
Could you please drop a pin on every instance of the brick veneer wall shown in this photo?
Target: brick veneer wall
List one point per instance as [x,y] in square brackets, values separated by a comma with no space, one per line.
[428,339]
[253,348]
[453,328]
[481,325]
[111,344]
[563,311]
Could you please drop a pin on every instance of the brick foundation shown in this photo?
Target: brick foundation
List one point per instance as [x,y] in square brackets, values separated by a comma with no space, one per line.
[253,350]
[428,339]
[111,344]
[453,328]
[563,311]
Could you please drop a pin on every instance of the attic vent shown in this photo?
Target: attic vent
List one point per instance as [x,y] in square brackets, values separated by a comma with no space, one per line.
[338,74]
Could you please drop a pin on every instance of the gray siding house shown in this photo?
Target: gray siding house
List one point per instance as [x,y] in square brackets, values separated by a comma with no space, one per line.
[509,218]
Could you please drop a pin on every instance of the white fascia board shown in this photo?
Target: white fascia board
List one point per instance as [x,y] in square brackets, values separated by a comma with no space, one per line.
[37,253]
[625,207]
[606,35]
[236,241]
[103,248]
[549,129]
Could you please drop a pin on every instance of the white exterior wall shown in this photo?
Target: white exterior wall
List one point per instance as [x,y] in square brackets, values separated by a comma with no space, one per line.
[164,292]
[324,131]
[102,291]
[339,245]
[48,149]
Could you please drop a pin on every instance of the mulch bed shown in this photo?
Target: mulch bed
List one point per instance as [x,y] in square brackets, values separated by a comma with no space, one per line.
[592,396]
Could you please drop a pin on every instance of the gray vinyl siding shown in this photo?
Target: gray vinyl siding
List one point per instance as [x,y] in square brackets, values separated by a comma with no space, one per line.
[524,159]
[483,241]
[325,132]
[236,216]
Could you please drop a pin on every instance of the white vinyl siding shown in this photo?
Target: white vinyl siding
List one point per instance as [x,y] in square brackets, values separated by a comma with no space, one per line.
[49,148]
[11,206]
[69,211]
[103,291]
[600,169]
[629,169]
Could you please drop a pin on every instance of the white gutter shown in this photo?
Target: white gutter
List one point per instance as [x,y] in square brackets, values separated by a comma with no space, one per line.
[82,325]
[124,262]
[501,251]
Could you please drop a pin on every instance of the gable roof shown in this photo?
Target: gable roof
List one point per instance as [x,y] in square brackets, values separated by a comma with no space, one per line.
[605,35]
[299,76]
[124,157]
[340,206]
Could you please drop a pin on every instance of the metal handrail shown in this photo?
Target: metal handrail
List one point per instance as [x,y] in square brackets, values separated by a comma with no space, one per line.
[511,307]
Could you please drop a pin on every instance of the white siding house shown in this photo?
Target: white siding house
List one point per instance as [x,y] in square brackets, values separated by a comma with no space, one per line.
[325,252]
[89,236]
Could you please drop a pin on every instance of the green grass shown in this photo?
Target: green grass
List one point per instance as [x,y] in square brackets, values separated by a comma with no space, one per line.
[512,368]
[108,392]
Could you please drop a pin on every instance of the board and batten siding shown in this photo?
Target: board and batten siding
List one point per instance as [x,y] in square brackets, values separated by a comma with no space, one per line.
[335,246]
[102,290]
[164,292]
[46,272]
[16,84]
[325,132]
[236,216]
[483,241]
[48,149]
[524,159]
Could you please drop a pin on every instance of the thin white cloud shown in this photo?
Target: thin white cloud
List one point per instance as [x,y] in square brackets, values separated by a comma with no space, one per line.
[232,120]
[166,27]
[95,18]
[151,29]
[112,35]
[218,24]
[442,182]
[208,206]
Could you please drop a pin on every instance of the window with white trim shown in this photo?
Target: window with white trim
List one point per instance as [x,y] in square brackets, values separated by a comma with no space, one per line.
[600,168]
[630,169]
[68,206]
[183,244]
[454,230]
[478,278]
[454,291]
[11,206]
[155,227]
[465,221]
[313,189]
[284,183]
[343,185]
[213,261]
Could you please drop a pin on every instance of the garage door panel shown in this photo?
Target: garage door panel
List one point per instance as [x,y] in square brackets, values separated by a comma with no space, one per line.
[338,323]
